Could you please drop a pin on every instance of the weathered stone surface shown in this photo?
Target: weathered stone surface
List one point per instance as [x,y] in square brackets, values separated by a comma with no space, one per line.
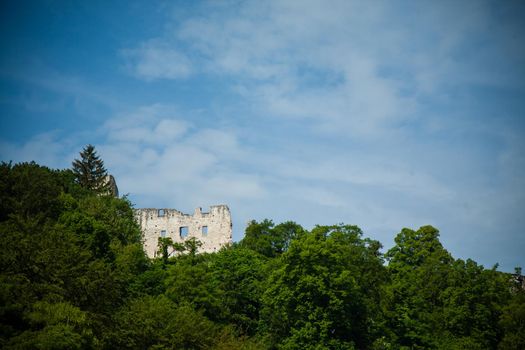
[213,229]
[112,184]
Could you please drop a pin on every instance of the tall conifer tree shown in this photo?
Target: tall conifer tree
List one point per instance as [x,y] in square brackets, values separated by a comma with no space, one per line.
[90,172]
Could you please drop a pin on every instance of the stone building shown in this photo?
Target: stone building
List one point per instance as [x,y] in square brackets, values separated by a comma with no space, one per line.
[213,228]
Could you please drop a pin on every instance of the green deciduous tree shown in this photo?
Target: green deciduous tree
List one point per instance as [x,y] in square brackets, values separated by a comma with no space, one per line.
[319,297]
[55,326]
[419,267]
[270,240]
[188,281]
[512,322]
[158,323]
[437,302]
[238,274]
[30,192]
[471,306]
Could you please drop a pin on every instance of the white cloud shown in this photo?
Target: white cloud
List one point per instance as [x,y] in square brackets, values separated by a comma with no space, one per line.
[167,158]
[153,125]
[46,148]
[347,67]
[300,60]
[377,171]
[155,60]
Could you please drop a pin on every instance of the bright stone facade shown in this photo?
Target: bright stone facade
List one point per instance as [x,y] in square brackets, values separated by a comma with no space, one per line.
[213,229]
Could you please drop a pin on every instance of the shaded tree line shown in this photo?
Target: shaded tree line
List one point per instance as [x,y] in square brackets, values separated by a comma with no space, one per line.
[74,276]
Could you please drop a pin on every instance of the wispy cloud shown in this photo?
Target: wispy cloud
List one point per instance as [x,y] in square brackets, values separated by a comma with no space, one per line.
[157,60]
[158,154]
[150,125]
[47,149]
[76,88]
[347,67]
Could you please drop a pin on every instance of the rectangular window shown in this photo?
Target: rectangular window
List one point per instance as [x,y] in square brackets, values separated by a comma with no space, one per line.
[183,231]
[163,233]
[204,231]
[161,212]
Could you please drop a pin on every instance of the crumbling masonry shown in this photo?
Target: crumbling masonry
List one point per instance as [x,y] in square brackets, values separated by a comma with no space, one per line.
[213,229]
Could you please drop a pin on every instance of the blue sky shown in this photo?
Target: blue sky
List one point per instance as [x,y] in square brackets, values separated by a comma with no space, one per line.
[381,114]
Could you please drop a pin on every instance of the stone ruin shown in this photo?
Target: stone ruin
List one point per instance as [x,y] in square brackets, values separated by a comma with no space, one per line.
[213,229]
[112,185]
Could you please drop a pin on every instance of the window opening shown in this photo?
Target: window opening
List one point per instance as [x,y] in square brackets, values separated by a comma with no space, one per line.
[161,212]
[183,231]
[204,231]
[163,233]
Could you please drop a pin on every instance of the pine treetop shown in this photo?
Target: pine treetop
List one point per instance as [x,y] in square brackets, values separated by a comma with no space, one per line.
[89,170]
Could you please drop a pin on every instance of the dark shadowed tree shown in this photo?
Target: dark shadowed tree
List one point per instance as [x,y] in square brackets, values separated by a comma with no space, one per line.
[239,273]
[512,320]
[90,172]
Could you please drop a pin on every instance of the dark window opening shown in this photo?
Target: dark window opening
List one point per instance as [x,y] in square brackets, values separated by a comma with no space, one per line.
[163,233]
[183,232]
[161,212]
[204,231]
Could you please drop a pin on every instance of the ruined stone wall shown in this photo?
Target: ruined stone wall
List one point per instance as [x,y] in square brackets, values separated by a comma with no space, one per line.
[112,184]
[213,229]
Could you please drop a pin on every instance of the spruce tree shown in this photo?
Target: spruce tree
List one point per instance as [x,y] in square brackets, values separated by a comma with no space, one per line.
[90,172]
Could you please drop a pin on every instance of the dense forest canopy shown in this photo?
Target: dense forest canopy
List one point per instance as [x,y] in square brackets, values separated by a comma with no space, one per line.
[74,276]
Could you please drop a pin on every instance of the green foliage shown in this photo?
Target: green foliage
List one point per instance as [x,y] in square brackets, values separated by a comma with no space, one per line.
[238,275]
[164,245]
[419,267]
[471,303]
[270,240]
[322,295]
[56,326]
[74,275]
[438,302]
[64,251]
[512,321]
[29,193]
[102,223]
[157,322]
[90,172]
[150,282]
[188,282]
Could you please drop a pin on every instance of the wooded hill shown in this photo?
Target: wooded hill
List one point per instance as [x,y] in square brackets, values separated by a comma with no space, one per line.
[74,276]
